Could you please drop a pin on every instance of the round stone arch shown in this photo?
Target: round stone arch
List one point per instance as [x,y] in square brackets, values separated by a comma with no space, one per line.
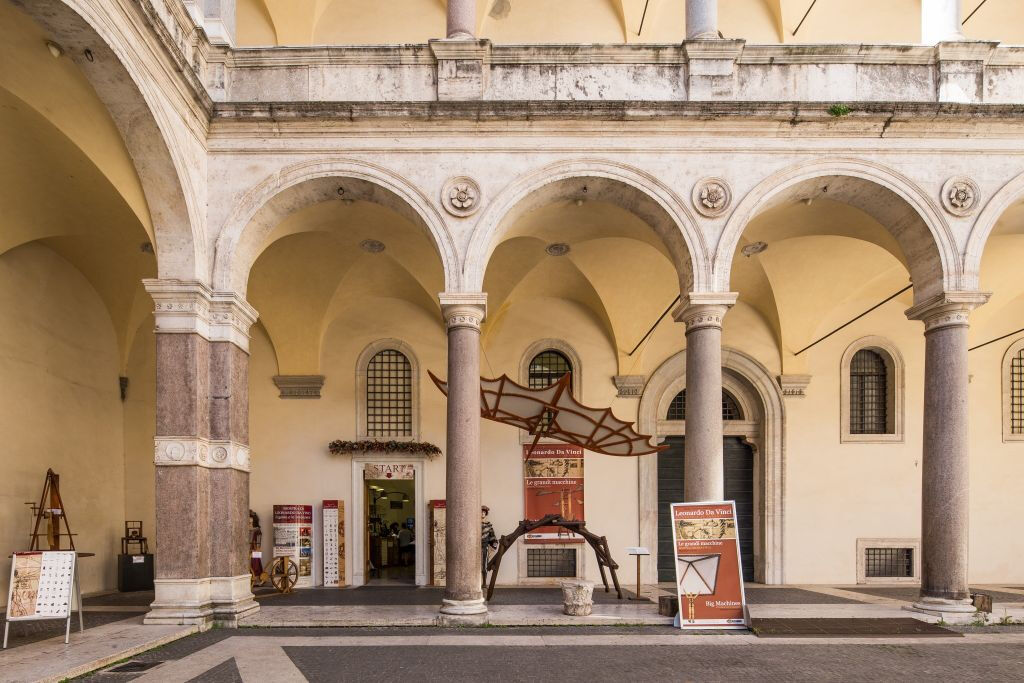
[760,398]
[150,128]
[1008,195]
[915,221]
[261,208]
[630,188]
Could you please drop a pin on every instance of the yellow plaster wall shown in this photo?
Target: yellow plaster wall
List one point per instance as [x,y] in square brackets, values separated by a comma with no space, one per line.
[60,408]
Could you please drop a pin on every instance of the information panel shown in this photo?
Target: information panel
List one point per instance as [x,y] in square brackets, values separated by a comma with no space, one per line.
[41,584]
[293,536]
[709,579]
[553,485]
[438,534]
[334,542]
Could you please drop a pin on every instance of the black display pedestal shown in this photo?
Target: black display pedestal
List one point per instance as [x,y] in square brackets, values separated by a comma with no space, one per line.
[135,572]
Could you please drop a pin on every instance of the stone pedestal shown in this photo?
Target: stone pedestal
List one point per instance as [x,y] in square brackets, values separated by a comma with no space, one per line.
[201,455]
[577,598]
[702,313]
[463,598]
[944,462]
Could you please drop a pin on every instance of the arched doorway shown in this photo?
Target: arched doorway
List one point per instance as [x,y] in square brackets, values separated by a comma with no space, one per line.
[738,463]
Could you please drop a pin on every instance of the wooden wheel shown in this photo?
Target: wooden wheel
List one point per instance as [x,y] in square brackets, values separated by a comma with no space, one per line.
[284,574]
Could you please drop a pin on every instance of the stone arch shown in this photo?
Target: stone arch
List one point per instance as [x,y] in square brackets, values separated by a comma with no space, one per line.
[915,221]
[1008,195]
[753,386]
[123,83]
[633,189]
[259,210]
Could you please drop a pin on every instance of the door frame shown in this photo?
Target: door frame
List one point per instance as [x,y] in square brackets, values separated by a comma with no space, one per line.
[357,532]
[760,398]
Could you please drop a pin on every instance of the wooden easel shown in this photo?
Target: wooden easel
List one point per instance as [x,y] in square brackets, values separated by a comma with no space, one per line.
[598,543]
[51,508]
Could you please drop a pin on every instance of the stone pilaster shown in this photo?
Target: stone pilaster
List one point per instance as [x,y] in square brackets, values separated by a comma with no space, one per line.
[945,463]
[463,599]
[702,313]
[701,19]
[201,454]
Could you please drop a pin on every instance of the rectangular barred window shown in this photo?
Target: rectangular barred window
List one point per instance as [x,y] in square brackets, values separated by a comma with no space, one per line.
[1017,393]
[389,395]
[891,563]
[550,562]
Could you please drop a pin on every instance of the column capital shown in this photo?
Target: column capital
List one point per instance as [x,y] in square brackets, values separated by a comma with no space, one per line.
[463,309]
[191,307]
[947,309]
[703,309]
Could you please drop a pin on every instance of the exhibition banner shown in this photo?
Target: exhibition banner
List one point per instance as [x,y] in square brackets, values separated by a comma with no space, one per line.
[293,536]
[438,536]
[334,542]
[381,470]
[553,485]
[709,580]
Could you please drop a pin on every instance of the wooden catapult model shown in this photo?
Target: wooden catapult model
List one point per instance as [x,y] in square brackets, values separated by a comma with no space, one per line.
[51,509]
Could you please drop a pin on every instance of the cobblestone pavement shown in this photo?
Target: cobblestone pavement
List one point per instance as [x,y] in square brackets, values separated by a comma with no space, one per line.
[570,654]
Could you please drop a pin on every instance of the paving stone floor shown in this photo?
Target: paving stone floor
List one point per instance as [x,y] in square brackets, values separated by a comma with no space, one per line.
[25,632]
[910,593]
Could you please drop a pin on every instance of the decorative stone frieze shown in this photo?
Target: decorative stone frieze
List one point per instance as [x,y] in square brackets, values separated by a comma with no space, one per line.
[711,197]
[463,309]
[947,309]
[794,386]
[191,307]
[629,386]
[703,309]
[960,196]
[171,451]
[460,196]
[299,386]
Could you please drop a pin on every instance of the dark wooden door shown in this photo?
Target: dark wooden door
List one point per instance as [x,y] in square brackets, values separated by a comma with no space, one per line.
[739,487]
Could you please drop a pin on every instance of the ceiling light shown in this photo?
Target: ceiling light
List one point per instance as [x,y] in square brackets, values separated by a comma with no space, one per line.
[55,49]
[755,248]
[557,249]
[372,246]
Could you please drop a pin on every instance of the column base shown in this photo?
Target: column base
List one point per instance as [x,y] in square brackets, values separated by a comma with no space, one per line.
[952,611]
[181,602]
[232,599]
[463,612]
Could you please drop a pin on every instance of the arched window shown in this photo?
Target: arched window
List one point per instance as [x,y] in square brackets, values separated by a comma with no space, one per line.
[547,367]
[387,391]
[869,393]
[1013,392]
[872,392]
[730,407]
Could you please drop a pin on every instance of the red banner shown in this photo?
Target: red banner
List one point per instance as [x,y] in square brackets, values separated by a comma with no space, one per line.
[709,580]
[553,485]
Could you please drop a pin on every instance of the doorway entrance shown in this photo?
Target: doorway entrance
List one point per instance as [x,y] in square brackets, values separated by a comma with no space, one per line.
[390,534]
[739,487]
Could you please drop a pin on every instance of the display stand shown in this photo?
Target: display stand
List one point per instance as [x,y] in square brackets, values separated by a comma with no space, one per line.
[44,585]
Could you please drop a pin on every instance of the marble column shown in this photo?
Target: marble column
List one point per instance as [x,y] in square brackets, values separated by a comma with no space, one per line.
[461,20]
[940,21]
[201,455]
[463,599]
[702,20]
[702,313]
[944,462]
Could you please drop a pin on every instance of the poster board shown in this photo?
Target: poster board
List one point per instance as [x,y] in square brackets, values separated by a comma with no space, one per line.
[709,577]
[438,538]
[334,542]
[553,484]
[293,536]
[43,583]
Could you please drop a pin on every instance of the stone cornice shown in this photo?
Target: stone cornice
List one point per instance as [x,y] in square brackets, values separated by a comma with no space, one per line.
[947,309]
[299,386]
[191,307]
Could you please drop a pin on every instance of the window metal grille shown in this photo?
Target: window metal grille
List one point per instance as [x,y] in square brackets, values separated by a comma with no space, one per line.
[730,407]
[889,562]
[548,367]
[869,393]
[389,395]
[547,562]
[1017,393]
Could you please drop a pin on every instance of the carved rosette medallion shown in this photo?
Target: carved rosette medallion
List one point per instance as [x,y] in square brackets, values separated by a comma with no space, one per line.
[960,196]
[460,196]
[711,197]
